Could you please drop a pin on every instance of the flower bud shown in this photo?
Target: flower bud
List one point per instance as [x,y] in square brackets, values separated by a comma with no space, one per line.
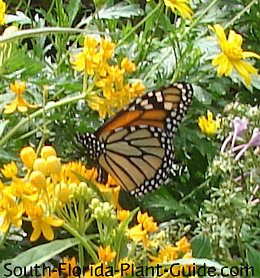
[47,151]
[40,165]
[63,192]
[53,164]
[37,178]
[28,156]
[95,203]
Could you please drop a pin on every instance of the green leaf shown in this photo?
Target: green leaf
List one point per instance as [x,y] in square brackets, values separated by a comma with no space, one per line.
[120,10]
[72,10]
[20,18]
[253,259]
[39,254]
[201,247]
[2,126]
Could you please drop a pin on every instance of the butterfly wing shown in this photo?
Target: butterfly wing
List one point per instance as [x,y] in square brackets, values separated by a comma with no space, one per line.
[135,146]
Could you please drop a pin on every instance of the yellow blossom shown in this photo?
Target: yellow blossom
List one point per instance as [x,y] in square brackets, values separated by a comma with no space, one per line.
[12,213]
[42,224]
[93,59]
[9,170]
[2,12]
[103,106]
[53,165]
[19,102]
[107,49]
[137,233]
[37,178]
[40,165]
[207,125]
[47,151]
[122,214]
[127,65]
[232,55]
[127,262]
[111,190]
[67,175]
[182,7]
[183,245]
[68,264]
[63,192]
[106,254]
[28,156]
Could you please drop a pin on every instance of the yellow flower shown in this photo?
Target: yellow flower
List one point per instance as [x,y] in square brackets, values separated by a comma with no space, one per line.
[137,233]
[232,55]
[147,222]
[10,170]
[127,65]
[122,214]
[53,165]
[47,151]
[69,264]
[166,254]
[37,178]
[11,213]
[42,224]
[181,6]
[2,12]
[106,254]
[28,156]
[19,102]
[40,165]
[67,175]
[103,106]
[207,125]
[183,245]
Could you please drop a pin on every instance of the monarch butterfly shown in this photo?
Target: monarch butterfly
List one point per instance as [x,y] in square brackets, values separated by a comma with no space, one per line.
[135,146]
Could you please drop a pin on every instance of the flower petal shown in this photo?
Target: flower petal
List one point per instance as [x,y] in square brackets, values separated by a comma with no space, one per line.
[235,38]
[36,231]
[47,231]
[248,54]
[10,108]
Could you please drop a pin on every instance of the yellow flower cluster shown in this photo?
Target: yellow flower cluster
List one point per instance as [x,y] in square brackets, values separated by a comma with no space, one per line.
[168,253]
[140,231]
[207,125]
[111,93]
[46,187]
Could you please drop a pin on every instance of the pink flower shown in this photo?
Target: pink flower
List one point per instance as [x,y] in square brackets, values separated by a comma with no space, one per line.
[253,142]
[239,129]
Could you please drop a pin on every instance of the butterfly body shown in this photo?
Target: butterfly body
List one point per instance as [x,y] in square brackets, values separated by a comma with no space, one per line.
[135,146]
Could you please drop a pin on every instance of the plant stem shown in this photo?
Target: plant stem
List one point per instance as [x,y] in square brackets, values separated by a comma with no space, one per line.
[231,22]
[138,25]
[39,112]
[22,34]
[195,22]
[83,241]
[3,238]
